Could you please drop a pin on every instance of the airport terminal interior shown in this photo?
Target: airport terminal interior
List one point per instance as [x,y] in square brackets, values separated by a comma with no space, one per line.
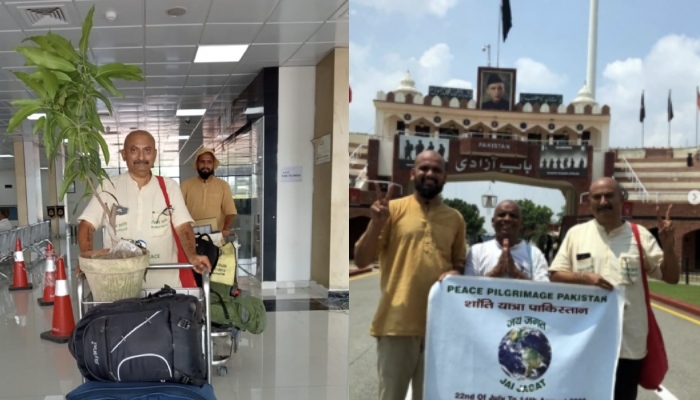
[264,83]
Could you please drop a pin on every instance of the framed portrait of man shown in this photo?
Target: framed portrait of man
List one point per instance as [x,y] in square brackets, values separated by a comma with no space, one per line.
[496,88]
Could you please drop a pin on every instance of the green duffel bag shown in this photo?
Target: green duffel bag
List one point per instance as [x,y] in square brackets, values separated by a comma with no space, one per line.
[245,312]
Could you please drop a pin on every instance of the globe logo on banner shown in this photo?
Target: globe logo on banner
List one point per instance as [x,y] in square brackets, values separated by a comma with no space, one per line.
[524,353]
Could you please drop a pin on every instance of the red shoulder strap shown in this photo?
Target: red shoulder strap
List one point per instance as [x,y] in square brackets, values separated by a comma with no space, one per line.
[161,182]
[186,275]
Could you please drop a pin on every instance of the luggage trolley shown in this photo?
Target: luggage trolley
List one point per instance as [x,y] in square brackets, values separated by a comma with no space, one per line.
[202,294]
[228,330]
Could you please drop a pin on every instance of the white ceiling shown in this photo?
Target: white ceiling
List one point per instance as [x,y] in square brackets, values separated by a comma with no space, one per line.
[280,32]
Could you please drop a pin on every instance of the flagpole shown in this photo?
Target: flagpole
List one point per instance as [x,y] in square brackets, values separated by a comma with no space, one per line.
[643,117]
[697,106]
[498,36]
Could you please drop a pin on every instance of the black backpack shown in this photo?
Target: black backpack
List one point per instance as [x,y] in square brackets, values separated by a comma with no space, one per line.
[152,339]
[205,247]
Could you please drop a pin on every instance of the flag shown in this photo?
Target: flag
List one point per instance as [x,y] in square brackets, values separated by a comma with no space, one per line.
[642,110]
[670,107]
[698,95]
[506,18]
[350,99]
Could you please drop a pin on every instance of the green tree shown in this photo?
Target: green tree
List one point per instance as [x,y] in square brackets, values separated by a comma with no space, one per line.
[471,215]
[536,218]
[560,214]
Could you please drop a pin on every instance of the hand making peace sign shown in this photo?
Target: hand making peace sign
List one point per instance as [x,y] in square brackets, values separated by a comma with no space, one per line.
[379,212]
[666,228]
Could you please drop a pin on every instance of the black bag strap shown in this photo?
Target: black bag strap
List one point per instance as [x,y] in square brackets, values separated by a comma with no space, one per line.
[165,292]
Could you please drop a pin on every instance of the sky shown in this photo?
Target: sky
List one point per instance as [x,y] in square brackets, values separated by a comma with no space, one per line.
[652,46]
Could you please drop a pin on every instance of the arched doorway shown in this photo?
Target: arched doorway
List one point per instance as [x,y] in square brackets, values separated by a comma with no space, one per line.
[358,225]
[691,250]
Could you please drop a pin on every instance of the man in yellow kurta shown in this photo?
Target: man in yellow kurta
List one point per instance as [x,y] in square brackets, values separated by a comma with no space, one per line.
[207,196]
[419,240]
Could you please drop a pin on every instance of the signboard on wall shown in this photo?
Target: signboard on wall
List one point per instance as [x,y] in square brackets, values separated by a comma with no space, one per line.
[512,165]
[537,98]
[322,149]
[560,161]
[411,146]
[508,148]
[466,94]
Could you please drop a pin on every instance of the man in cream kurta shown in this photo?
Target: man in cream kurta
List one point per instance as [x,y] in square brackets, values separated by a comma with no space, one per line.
[143,214]
[145,219]
[604,252]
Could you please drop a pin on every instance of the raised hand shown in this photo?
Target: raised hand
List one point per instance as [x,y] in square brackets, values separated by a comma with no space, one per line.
[666,228]
[379,212]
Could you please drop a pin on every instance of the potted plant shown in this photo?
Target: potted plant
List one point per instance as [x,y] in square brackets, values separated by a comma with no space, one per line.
[66,86]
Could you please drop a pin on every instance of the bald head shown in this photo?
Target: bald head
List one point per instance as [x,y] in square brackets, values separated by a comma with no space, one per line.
[507,204]
[139,153]
[139,136]
[606,182]
[430,155]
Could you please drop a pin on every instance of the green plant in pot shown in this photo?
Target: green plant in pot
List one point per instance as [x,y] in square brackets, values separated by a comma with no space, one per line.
[67,85]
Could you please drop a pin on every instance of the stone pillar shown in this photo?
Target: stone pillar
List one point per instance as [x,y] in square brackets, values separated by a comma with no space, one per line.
[329,263]
[28,177]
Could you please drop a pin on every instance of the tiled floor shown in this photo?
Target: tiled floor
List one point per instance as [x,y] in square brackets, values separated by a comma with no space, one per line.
[302,354]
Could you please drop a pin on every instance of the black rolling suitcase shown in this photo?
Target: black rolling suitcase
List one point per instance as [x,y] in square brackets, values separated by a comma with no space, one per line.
[153,339]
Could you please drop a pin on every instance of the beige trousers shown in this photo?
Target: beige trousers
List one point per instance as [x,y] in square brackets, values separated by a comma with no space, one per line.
[400,361]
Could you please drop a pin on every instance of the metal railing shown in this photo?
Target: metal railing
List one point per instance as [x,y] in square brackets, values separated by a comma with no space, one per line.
[356,153]
[658,197]
[31,238]
[361,179]
[636,182]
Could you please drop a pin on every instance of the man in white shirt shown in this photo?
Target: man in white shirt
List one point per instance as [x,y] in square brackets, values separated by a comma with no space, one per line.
[604,252]
[144,216]
[5,224]
[506,255]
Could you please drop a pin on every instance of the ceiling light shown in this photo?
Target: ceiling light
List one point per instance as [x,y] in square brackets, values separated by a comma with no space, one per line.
[6,156]
[254,111]
[176,138]
[190,112]
[44,168]
[176,11]
[35,117]
[220,53]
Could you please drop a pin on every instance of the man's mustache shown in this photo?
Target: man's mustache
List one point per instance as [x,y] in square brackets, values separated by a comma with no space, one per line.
[601,208]
[141,162]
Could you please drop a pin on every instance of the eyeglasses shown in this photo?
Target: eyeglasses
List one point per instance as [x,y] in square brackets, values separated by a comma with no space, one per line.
[168,211]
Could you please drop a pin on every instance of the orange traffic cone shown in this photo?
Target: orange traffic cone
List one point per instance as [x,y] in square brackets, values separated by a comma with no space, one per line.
[63,320]
[19,279]
[49,278]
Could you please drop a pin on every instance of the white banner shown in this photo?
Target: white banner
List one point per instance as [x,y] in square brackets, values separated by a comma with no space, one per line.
[499,339]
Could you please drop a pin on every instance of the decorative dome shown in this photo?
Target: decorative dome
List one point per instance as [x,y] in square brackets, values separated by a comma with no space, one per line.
[584,97]
[408,85]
